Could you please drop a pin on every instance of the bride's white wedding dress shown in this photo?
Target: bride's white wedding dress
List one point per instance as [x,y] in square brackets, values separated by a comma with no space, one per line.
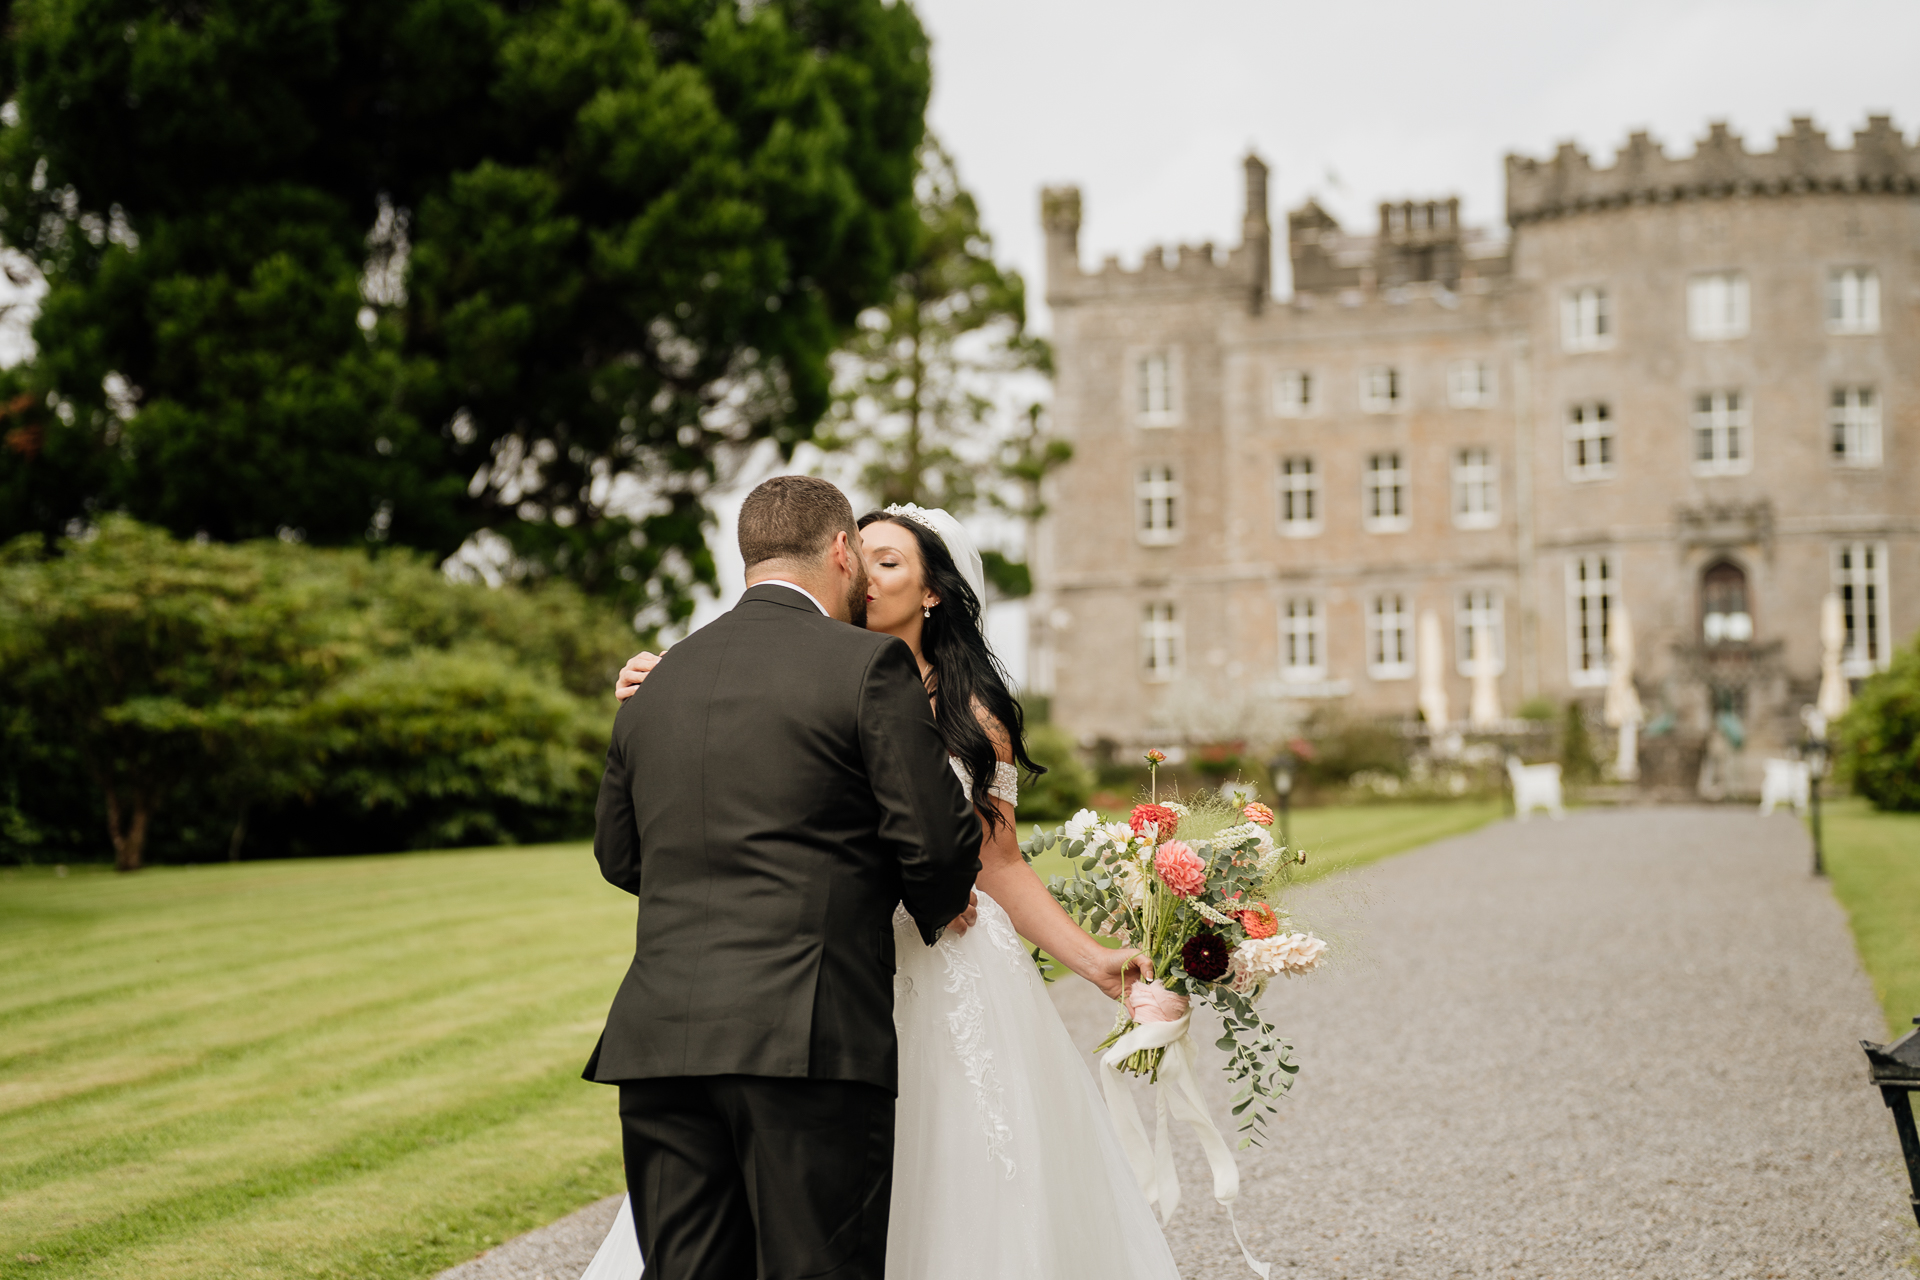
[1005,1162]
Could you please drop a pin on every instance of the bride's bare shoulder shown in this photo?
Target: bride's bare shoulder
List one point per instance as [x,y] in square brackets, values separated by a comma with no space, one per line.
[996,731]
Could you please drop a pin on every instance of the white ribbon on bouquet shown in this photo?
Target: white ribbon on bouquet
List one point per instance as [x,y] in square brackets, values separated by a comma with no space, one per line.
[1177,1097]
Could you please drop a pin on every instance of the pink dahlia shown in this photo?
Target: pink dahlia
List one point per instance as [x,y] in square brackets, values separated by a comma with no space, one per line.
[1258,813]
[1180,868]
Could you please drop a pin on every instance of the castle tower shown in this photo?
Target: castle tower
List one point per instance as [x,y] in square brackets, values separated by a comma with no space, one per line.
[1257,236]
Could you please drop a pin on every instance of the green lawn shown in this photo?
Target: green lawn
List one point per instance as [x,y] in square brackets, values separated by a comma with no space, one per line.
[353,1067]
[359,1067]
[1874,861]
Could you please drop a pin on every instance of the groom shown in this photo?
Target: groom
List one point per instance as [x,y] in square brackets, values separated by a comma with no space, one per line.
[772,791]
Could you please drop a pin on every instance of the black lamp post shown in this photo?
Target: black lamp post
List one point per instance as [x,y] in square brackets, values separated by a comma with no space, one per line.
[1894,1069]
[1282,769]
[1815,750]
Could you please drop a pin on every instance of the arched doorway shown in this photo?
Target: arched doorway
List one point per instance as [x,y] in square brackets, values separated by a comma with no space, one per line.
[1726,617]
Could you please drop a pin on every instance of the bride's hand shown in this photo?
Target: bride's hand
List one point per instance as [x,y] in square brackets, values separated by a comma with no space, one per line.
[965,920]
[634,674]
[1110,970]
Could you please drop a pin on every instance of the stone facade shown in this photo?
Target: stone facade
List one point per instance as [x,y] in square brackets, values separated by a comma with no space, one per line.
[1689,387]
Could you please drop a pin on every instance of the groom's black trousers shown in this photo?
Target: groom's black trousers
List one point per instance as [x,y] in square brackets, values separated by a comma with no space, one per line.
[753,1178]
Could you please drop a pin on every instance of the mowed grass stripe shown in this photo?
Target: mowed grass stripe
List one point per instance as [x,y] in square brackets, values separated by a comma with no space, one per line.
[292,1023]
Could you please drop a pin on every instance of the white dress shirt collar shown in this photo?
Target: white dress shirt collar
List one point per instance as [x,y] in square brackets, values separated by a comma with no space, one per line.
[782,582]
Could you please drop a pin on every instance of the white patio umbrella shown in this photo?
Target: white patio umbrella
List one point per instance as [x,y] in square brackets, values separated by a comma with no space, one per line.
[1433,687]
[1622,709]
[1484,710]
[1834,694]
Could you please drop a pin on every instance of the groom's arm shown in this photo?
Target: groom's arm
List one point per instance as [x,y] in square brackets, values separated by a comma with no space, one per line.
[924,815]
[616,835]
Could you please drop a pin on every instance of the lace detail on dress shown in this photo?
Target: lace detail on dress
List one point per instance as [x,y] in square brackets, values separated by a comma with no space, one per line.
[1006,780]
[967,1022]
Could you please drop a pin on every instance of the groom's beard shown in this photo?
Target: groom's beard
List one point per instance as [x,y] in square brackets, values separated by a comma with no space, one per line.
[857,597]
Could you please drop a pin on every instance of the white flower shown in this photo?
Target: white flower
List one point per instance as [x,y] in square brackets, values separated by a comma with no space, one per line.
[1133,883]
[1179,809]
[1118,832]
[1258,959]
[1081,823]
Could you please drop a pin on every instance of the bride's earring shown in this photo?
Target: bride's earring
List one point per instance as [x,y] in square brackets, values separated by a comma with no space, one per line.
[926,613]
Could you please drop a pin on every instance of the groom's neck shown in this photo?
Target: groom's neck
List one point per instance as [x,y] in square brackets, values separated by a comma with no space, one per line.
[817,580]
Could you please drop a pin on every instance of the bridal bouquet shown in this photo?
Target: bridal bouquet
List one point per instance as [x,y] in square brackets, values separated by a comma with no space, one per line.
[1193,886]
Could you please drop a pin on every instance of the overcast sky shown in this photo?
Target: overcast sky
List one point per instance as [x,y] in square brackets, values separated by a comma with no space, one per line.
[1149,107]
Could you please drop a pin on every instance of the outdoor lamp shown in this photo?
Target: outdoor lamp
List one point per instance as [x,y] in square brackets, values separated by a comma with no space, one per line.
[1281,766]
[1815,751]
[1894,1069]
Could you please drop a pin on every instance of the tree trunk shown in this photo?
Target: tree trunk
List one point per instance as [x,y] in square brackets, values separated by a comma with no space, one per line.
[239,836]
[129,838]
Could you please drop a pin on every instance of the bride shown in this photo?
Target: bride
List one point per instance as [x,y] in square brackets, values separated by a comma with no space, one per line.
[1005,1162]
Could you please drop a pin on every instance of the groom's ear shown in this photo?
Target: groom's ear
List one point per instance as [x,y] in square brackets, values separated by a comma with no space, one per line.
[841,552]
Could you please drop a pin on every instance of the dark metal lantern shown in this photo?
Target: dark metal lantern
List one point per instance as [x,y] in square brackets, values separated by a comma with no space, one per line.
[1894,1069]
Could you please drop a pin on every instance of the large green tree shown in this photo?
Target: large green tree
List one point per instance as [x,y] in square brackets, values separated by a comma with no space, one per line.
[407,270]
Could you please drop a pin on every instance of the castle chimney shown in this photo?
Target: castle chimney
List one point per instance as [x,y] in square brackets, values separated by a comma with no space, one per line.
[1060,218]
[1257,236]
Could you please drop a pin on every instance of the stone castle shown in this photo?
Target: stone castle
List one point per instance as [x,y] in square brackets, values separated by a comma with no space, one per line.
[1682,391]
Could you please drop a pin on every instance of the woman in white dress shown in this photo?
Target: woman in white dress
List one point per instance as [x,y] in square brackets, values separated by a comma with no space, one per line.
[1006,1164]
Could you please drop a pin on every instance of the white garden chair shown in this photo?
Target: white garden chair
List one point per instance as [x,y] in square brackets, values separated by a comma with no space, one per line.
[1535,786]
[1786,782]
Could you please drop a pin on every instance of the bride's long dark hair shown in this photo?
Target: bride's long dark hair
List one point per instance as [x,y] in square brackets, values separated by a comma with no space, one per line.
[964,673]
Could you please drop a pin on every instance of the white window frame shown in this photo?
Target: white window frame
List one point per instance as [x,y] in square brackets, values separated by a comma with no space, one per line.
[1295,393]
[1161,641]
[1303,635]
[1593,593]
[1853,424]
[1592,442]
[1853,300]
[1477,607]
[1389,637]
[1382,389]
[1156,387]
[1586,318]
[1156,505]
[1476,488]
[1394,516]
[1722,421]
[1470,384]
[1297,483]
[1860,580]
[1718,306]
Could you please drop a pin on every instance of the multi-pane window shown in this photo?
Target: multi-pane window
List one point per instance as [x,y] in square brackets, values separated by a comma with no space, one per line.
[1303,640]
[1860,580]
[1586,319]
[1479,631]
[1160,640]
[1853,427]
[1154,386]
[1389,637]
[1299,497]
[1476,488]
[1721,439]
[1470,384]
[1592,592]
[1717,306]
[1590,441]
[1380,389]
[1383,496]
[1156,494]
[1853,300]
[1293,393]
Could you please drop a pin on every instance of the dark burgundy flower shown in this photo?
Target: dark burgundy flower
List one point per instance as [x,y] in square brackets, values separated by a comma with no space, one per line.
[1205,957]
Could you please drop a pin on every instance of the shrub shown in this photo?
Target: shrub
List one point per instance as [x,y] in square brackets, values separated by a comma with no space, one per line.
[1578,761]
[1344,748]
[1065,785]
[1880,735]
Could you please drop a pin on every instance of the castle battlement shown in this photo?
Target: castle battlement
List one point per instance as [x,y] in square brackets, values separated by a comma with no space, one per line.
[1803,160]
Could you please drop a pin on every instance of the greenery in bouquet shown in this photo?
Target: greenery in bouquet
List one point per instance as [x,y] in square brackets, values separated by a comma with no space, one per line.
[1194,886]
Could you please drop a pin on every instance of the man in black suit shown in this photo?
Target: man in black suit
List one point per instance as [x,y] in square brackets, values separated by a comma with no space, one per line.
[773,790]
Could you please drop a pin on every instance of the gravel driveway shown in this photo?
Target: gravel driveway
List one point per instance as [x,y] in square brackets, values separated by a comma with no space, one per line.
[1619,1045]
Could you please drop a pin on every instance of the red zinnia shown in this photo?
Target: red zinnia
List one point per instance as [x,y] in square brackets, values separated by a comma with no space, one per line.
[1259,921]
[1163,818]
[1205,957]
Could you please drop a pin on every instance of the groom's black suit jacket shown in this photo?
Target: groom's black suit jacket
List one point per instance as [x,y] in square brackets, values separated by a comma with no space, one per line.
[773,790]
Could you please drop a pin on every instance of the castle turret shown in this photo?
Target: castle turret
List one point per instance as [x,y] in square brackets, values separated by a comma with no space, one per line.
[1060,218]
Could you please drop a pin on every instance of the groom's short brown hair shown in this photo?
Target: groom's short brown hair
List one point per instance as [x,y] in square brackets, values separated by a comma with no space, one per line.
[794,518]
